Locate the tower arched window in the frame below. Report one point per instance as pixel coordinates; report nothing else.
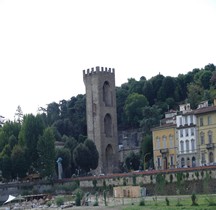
(108, 125)
(107, 94)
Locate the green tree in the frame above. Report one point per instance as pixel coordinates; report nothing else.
(146, 147)
(6, 167)
(134, 107)
(121, 96)
(18, 117)
(132, 161)
(9, 129)
(65, 154)
(77, 115)
(12, 141)
(150, 117)
(46, 152)
(94, 155)
(195, 94)
(53, 112)
(32, 128)
(167, 88)
(156, 84)
(19, 163)
(205, 79)
(81, 156)
(213, 79)
(136, 86)
(71, 143)
(148, 92)
(63, 106)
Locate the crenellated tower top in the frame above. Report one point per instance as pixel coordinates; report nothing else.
(98, 69)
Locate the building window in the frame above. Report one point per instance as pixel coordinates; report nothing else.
(191, 119)
(186, 120)
(209, 120)
(180, 121)
(209, 137)
(211, 157)
(164, 142)
(188, 162)
(171, 160)
(182, 146)
(186, 132)
(193, 162)
(192, 131)
(187, 146)
(201, 121)
(182, 162)
(181, 132)
(202, 138)
(158, 142)
(159, 162)
(203, 158)
(192, 145)
(171, 141)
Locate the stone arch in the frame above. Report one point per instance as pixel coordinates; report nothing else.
(107, 94)
(211, 157)
(108, 125)
(109, 158)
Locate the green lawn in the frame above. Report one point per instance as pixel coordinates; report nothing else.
(184, 203)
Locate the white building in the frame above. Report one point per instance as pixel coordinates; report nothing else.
(186, 137)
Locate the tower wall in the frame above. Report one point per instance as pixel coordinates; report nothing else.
(101, 115)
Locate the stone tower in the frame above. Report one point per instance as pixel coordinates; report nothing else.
(101, 116)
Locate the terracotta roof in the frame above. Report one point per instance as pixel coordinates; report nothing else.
(205, 110)
(168, 125)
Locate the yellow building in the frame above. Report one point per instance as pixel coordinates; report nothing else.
(206, 132)
(164, 142)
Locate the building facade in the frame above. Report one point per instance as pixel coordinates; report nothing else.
(206, 132)
(194, 133)
(186, 137)
(164, 143)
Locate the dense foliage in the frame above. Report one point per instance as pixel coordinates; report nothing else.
(140, 104)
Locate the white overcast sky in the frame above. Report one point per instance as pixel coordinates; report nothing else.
(46, 44)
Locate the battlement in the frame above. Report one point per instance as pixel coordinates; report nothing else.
(98, 69)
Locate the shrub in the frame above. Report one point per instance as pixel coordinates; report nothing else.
(179, 202)
(194, 200)
(59, 201)
(49, 203)
(96, 200)
(124, 181)
(171, 178)
(142, 202)
(94, 182)
(167, 201)
(78, 198)
(134, 180)
(211, 201)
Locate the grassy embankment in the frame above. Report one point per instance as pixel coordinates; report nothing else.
(204, 202)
